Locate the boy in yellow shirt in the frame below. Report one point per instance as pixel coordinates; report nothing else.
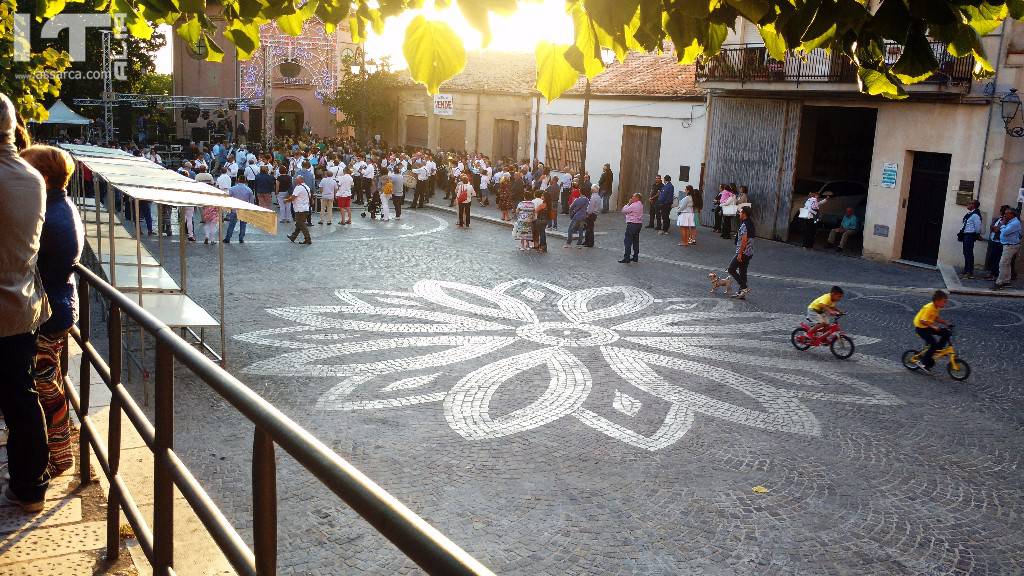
(932, 328)
(823, 309)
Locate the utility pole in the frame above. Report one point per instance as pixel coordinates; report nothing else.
(586, 126)
(362, 109)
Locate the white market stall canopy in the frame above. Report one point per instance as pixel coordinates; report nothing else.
(61, 114)
(143, 180)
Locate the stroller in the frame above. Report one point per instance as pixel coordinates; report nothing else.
(373, 206)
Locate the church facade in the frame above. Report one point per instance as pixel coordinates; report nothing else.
(303, 73)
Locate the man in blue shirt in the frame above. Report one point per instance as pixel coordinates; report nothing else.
(847, 228)
(666, 197)
(969, 235)
(242, 192)
(1009, 237)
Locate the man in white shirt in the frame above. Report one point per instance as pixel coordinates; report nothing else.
(344, 195)
(251, 170)
(422, 173)
(232, 168)
(328, 188)
(300, 206)
(224, 180)
(367, 173)
(357, 177)
(431, 178)
(485, 182)
(335, 166)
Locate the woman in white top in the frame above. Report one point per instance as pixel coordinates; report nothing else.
(809, 218)
(464, 198)
(685, 219)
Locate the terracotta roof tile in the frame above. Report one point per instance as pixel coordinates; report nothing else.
(642, 74)
(496, 72)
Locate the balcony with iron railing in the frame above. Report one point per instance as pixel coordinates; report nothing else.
(818, 69)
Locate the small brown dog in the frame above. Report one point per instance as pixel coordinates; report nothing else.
(719, 282)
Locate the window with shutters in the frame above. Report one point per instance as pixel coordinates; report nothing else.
(564, 148)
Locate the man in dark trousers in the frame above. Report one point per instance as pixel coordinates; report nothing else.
(605, 185)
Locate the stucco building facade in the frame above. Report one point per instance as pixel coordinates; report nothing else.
(782, 128)
(304, 71)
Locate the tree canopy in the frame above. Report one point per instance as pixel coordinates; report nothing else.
(858, 29)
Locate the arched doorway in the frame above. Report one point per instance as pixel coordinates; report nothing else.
(288, 118)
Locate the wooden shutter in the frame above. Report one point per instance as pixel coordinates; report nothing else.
(452, 135)
(641, 154)
(415, 130)
(506, 139)
(564, 148)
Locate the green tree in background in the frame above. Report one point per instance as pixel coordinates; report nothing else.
(367, 100)
(140, 55)
(153, 83)
(29, 84)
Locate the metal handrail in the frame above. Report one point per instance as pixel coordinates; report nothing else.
(752, 63)
(412, 535)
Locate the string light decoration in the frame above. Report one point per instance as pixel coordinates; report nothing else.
(315, 51)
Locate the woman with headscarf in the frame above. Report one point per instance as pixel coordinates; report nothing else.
(60, 247)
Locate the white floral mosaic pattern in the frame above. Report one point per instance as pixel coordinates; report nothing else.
(460, 345)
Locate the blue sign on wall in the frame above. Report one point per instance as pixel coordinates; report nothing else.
(889, 170)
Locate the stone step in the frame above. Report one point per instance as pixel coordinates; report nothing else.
(49, 542)
(78, 563)
(12, 519)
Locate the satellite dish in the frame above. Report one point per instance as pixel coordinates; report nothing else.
(290, 69)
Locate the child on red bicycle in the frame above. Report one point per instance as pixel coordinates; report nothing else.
(932, 328)
(822, 311)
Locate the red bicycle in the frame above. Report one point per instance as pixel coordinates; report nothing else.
(837, 341)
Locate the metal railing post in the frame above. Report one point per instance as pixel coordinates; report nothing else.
(163, 482)
(84, 321)
(114, 435)
(264, 503)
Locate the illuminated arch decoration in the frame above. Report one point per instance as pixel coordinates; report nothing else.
(315, 50)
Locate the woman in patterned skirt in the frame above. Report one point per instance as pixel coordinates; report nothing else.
(60, 247)
(522, 228)
(506, 194)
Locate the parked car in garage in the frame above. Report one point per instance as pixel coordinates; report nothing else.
(841, 194)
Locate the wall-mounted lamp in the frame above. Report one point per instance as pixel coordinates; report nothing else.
(1010, 111)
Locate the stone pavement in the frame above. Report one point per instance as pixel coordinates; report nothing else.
(566, 414)
(68, 538)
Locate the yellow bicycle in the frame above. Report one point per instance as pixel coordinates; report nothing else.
(957, 368)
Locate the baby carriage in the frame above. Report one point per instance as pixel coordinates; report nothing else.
(373, 206)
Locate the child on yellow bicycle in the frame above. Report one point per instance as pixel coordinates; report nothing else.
(932, 328)
(823, 310)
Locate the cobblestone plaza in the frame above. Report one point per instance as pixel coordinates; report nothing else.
(566, 414)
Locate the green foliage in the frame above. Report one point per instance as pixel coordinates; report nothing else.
(153, 83)
(371, 98)
(555, 74)
(696, 28)
(28, 84)
(433, 51)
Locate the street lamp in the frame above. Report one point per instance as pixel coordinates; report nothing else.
(607, 57)
(1009, 109)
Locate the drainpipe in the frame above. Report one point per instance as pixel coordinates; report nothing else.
(988, 125)
(536, 126)
(476, 135)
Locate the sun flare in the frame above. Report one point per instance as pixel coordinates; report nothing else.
(516, 32)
